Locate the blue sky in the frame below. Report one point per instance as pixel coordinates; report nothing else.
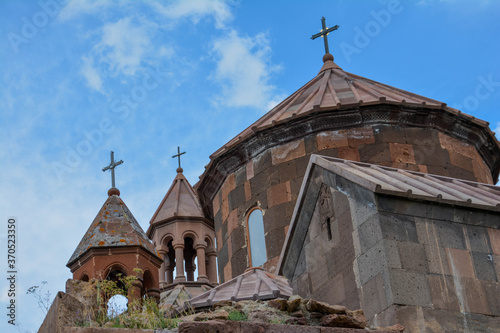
(81, 78)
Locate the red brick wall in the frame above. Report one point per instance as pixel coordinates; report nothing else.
(272, 179)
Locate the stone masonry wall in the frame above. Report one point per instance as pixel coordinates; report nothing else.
(272, 180)
(420, 264)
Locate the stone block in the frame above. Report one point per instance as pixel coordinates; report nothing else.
(302, 285)
(437, 259)
(249, 169)
(360, 136)
(248, 191)
(392, 133)
(412, 256)
(287, 171)
(426, 232)
(402, 153)
(288, 151)
(274, 242)
(451, 235)
(409, 288)
(228, 186)
(311, 144)
(228, 275)
(475, 296)
(232, 221)
(236, 197)
(371, 263)
(301, 164)
(239, 261)
(351, 287)
(352, 300)
(392, 253)
(443, 292)
(216, 203)
(492, 291)
(332, 139)
(224, 209)
(238, 238)
(370, 233)
(461, 161)
(460, 263)
(421, 136)
(374, 296)
(279, 194)
(240, 176)
(457, 172)
(494, 235)
(398, 227)
(262, 162)
(375, 153)
(276, 217)
(438, 170)
(484, 266)
(348, 153)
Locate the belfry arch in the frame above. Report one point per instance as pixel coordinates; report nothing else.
(183, 237)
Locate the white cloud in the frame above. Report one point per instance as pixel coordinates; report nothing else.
(91, 74)
(76, 8)
(197, 9)
(243, 69)
(497, 131)
(123, 45)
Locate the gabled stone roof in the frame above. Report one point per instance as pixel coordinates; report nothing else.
(114, 226)
(254, 284)
(412, 184)
(180, 201)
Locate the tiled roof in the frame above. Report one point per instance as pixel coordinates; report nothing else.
(413, 184)
(254, 284)
(332, 89)
(114, 226)
(180, 201)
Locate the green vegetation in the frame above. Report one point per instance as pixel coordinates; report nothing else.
(237, 316)
(144, 313)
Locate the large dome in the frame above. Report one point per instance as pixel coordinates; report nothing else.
(341, 115)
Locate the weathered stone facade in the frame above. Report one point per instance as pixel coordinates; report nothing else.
(418, 263)
(272, 179)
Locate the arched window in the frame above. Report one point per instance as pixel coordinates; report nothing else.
(256, 239)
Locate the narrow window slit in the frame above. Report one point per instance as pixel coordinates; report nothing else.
(329, 228)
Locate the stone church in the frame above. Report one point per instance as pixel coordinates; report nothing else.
(359, 193)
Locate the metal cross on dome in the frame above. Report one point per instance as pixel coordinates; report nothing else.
(111, 167)
(179, 155)
(324, 33)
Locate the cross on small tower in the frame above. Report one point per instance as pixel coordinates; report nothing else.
(111, 167)
(179, 155)
(324, 33)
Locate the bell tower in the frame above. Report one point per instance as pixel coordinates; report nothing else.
(181, 234)
(116, 244)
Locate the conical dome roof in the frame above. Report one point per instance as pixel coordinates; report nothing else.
(335, 89)
(180, 201)
(114, 226)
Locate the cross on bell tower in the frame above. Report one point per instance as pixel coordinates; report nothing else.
(178, 155)
(324, 33)
(112, 167)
